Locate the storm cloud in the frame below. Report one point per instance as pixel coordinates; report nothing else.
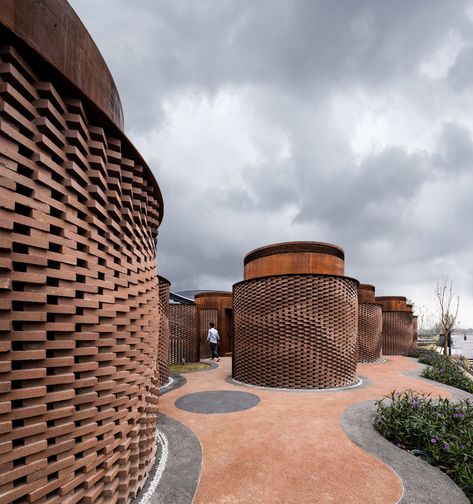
(278, 120)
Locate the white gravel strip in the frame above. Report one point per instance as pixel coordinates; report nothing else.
(358, 383)
(170, 382)
(162, 441)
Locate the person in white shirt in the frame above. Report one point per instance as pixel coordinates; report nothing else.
(212, 338)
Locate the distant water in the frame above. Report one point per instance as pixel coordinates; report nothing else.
(462, 347)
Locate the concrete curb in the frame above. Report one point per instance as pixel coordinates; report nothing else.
(362, 382)
(177, 382)
(180, 477)
(456, 393)
(423, 484)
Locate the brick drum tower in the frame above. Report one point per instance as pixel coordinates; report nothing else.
(295, 318)
(370, 323)
(397, 325)
(79, 324)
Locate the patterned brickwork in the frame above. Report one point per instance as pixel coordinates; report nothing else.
(370, 323)
(78, 298)
(163, 345)
(414, 335)
(295, 331)
(206, 316)
(182, 334)
(397, 332)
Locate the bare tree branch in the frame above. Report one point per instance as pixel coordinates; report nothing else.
(448, 303)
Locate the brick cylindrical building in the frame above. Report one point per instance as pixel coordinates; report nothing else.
(295, 318)
(414, 334)
(183, 342)
(216, 307)
(163, 344)
(370, 323)
(397, 325)
(79, 324)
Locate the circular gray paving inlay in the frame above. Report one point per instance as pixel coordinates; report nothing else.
(217, 401)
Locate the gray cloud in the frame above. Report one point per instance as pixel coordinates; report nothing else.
(278, 120)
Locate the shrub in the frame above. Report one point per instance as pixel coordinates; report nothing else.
(441, 430)
(429, 357)
(445, 370)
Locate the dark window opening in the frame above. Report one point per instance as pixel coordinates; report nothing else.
(23, 210)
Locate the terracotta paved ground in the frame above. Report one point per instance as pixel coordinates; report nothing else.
(290, 448)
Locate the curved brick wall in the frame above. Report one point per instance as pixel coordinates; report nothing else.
(370, 323)
(163, 345)
(414, 334)
(295, 331)
(397, 325)
(183, 342)
(79, 321)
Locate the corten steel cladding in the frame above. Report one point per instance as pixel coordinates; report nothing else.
(296, 330)
(163, 344)
(79, 323)
(183, 342)
(294, 257)
(370, 323)
(216, 307)
(397, 325)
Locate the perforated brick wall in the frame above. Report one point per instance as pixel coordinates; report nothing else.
(413, 346)
(163, 345)
(397, 332)
(182, 334)
(295, 331)
(78, 298)
(370, 324)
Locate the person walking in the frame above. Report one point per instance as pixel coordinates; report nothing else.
(212, 338)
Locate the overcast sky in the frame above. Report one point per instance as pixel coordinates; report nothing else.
(348, 122)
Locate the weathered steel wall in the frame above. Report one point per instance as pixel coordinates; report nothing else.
(204, 317)
(221, 316)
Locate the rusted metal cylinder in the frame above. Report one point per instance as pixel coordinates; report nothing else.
(163, 344)
(216, 307)
(294, 258)
(296, 327)
(397, 325)
(366, 293)
(370, 323)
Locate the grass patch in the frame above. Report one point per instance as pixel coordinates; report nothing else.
(188, 368)
(440, 431)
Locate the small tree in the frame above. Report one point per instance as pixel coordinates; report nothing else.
(448, 303)
(424, 319)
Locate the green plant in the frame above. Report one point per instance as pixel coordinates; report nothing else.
(447, 371)
(426, 356)
(440, 429)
